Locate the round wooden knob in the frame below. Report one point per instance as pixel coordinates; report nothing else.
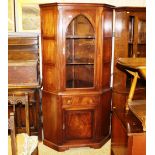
(90, 101)
(69, 101)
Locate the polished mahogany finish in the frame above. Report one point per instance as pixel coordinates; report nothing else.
(76, 50)
(14, 142)
(24, 79)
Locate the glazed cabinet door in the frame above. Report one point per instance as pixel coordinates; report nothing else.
(80, 46)
(80, 52)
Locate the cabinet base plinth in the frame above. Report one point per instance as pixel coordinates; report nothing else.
(66, 146)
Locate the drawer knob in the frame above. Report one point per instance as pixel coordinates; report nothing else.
(69, 101)
(90, 101)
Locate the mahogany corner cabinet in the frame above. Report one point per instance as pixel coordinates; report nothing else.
(76, 51)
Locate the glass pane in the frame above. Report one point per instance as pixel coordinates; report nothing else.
(131, 28)
(79, 76)
(80, 50)
(80, 26)
(80, 53)
(142, 31)
(30, 17)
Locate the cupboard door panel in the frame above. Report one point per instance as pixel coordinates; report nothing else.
(78, 124)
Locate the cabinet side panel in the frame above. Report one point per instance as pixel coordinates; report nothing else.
(49, 51)
(121, 47)
(50, 117)
(49, 78)
(50, 71)
(107, 24)
(106, 74)
(107, 46)
(102, 116)
(106, 109)
(48, 20)
(49, 48)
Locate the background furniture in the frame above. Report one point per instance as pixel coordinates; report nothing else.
(130, 41)
(128, 137)
(137, 68)
(11, 127)
(21, 98)
(76, 42)
(21, 143)
(24, 83)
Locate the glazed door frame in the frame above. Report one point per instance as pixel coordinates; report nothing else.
(67, 14)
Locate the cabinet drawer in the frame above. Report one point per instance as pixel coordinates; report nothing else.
(80, 100)
(22, 73)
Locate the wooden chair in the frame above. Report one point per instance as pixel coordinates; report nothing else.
(11, 127)
(15, 98)
(26, 136)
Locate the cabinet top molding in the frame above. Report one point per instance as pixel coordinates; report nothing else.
(131, 9)
(75, 4)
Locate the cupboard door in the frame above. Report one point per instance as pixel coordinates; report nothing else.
(78, 124)
(80, 53)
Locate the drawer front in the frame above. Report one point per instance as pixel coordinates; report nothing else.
(19, 41)
(80, 100)
(22, 74)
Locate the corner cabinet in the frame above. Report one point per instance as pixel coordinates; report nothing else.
(76, 51)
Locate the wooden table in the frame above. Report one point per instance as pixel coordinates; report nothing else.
(137, 68)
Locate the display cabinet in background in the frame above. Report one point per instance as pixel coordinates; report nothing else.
(130, 41)
(128, 135)
(76, 50)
